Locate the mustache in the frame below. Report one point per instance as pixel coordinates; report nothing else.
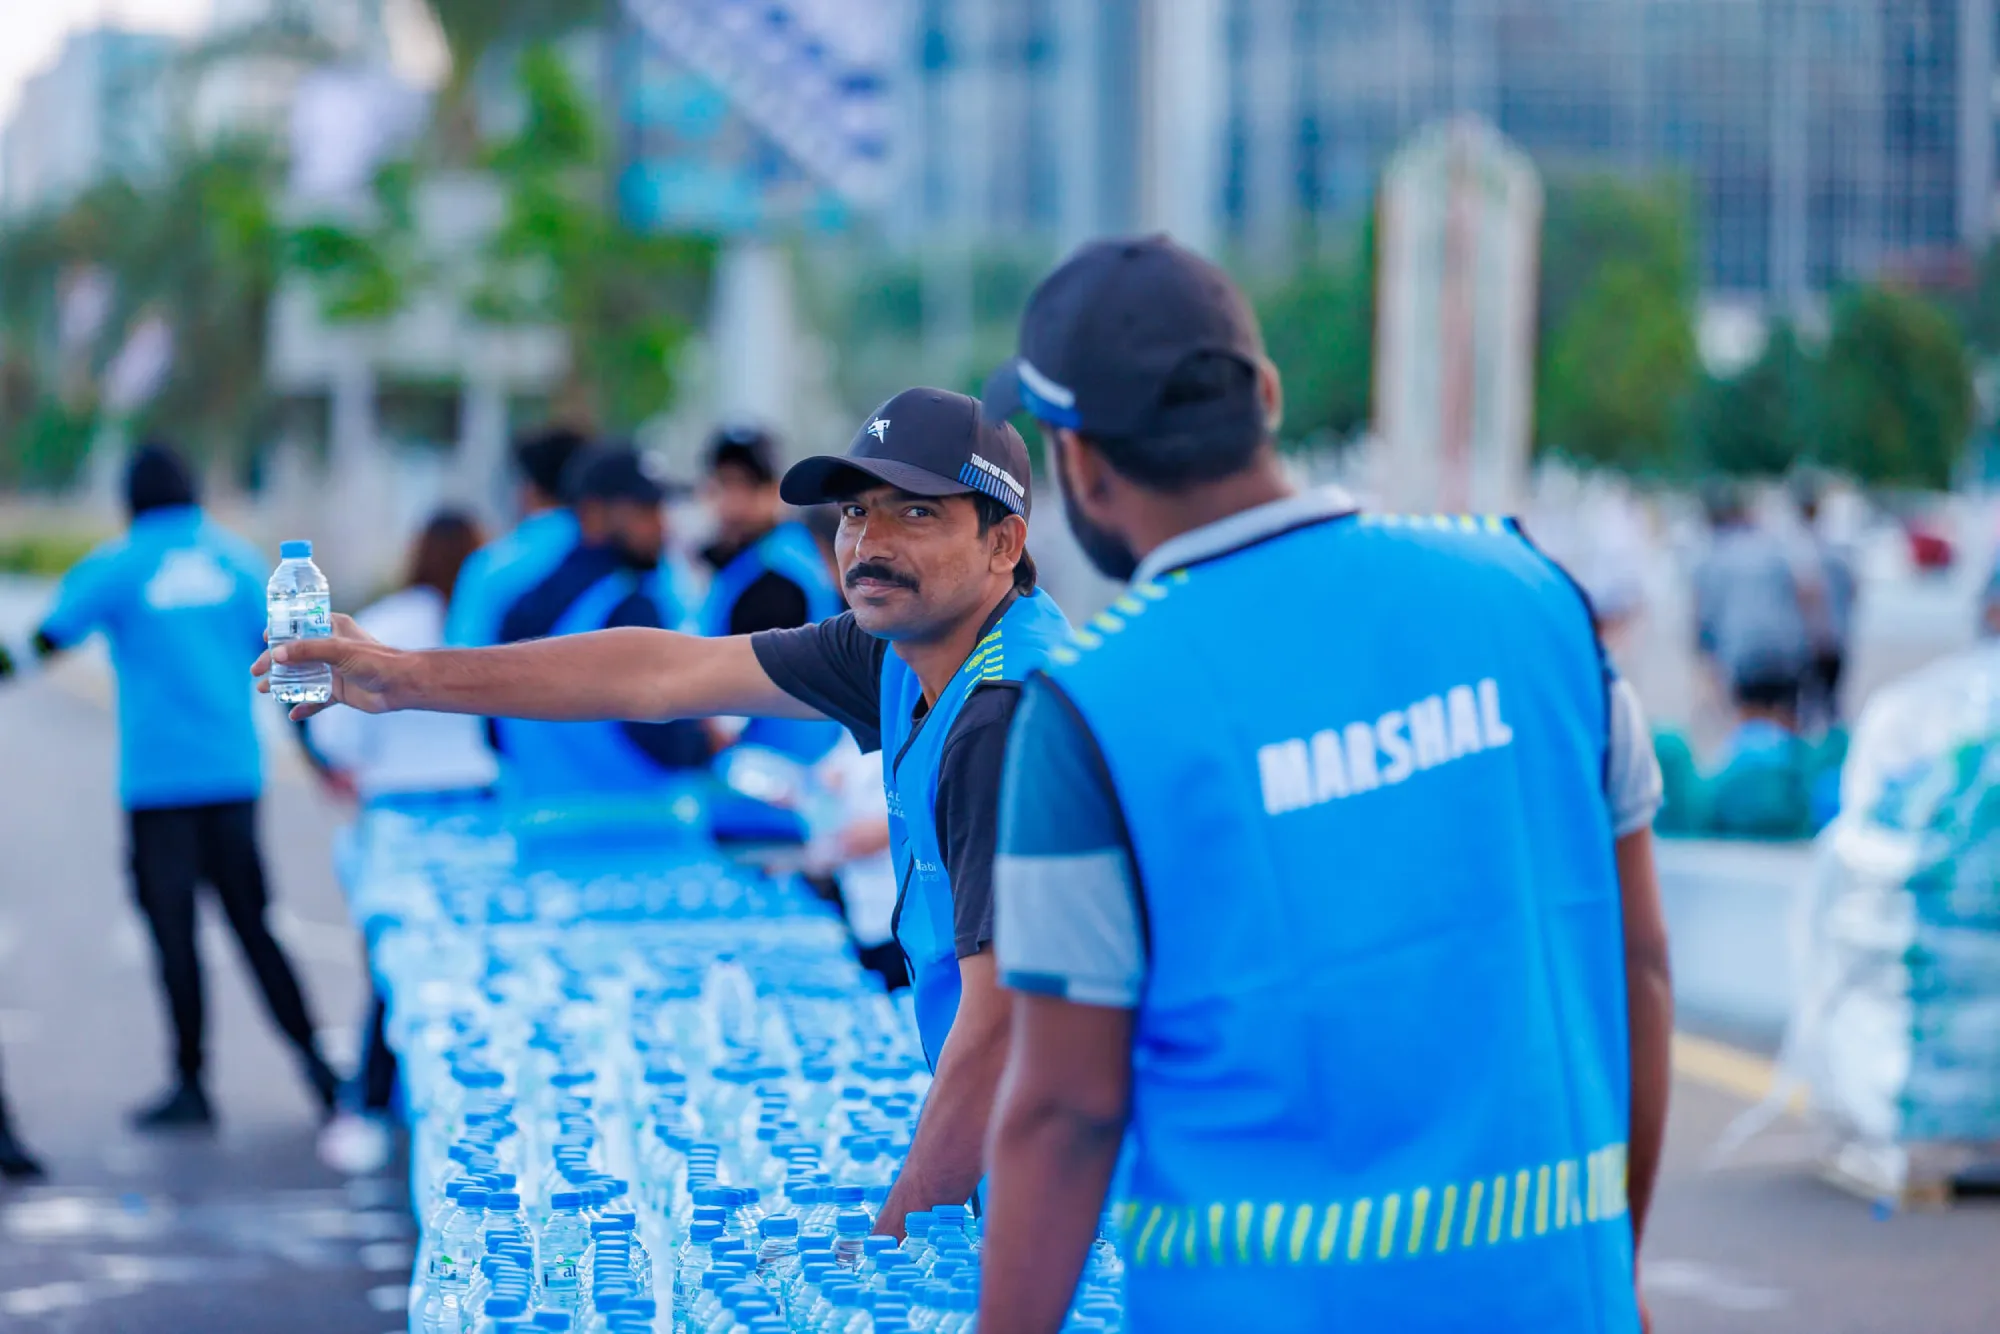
(881, 573)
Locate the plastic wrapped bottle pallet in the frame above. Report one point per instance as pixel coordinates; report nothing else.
(651, 1092)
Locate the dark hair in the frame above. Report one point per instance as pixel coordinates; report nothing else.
(440, 551)
(990, 512)
(157, 479)
(1210, 423)
(544, 455)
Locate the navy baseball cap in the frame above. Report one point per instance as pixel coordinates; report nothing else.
(1103, 334)
(929, 442)
(618, 472)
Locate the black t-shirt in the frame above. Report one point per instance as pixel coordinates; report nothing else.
(836, 667)
(771, 602)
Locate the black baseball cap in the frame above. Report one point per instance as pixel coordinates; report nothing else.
(1103, 334)
(617, 472)
(929, 442)
(750, 448)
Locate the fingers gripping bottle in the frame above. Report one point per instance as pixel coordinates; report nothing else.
(299, 606)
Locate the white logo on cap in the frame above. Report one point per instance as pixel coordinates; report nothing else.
(878, 427)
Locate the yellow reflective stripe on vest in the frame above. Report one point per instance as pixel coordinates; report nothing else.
(1520, 1205)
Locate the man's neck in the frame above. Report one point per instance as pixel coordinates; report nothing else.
(936, 661)
(1167, 516)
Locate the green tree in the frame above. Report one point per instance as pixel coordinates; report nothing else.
(1319, 329)
(475, 30)
(1897, 389)
(1617, 352)
(628, 301)
(1762, 422)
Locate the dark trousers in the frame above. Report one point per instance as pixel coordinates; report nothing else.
(6, 1125)
(376, 1079)
(1820, 690)
(173, 852)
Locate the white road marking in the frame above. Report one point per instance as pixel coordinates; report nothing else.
(388, 1256)
(1710, 1286)
(395, 1298)
(46, 1298)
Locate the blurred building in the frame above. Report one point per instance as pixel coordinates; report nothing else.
(255, 53)
(1822, 139)
(99, 110)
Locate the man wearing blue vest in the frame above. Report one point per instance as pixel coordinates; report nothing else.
(499, 573)
(769, 574)
(1325, 882)
(945, 622)
(180, 600)
(611, 577)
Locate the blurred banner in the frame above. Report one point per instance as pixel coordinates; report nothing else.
(815, 77)
(1460, 240)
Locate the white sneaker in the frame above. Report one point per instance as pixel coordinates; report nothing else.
(355, 1146)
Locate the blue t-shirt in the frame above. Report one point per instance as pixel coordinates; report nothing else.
(182, 603)
(500, 573)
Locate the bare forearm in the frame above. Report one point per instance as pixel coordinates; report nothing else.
(1051, 1166)
(630, 674)
(947, 1156)
(1650, 1001)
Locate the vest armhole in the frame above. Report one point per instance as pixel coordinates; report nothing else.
(1605, 672)
(1102, 770)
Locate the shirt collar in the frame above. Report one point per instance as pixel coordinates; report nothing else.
(1244, 527)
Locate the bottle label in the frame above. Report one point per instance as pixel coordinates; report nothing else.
(299, 620)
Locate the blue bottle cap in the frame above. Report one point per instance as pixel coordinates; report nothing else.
(551, 1320)
(951, 1213)
(505, 1308)
(780, 1225)
(503, 1200)
(472, 1197)
(705, 1231)
(878, 1246)
(918, 1222)
(295, 550)
(566, 1199)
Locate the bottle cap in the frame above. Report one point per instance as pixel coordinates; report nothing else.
(781, 1225)
(295, 550)
(917, 1222)
(566, 1199)
(503, 1200)
(705, 1231)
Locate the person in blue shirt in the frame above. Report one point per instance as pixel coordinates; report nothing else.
(611, 578)
(768, 571)
(499, 573)
(946, 619)
(181, 600)
(1324, 884)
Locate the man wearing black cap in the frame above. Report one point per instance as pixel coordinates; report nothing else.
(498, 574)
(612, 577)
(180, 599)
(1363, 956)
(945, 620)
(768, 572)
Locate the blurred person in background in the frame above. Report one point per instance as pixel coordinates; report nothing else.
(1833, 629)
(1325, 884)
(179, 598)
(768, 572)
(1751, 604)
(852, 852)
(499, 574)
(611, 578)
(16, 1163)
(397, 761)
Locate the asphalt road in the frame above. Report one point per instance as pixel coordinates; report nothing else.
(246, 1233)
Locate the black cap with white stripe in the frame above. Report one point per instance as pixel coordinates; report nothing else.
(929, 442)
(1104, 333)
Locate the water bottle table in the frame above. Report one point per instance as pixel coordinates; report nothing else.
(648, 1092)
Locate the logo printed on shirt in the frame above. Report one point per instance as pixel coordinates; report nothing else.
(189, 578)
(1339, 762)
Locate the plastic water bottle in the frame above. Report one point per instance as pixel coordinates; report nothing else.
(564, 1241)
(850, 1238)
(778, 1260)
(692, 1262)
(300, 606)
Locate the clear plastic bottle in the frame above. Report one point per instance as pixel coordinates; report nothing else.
(693, 1261)
(917, 1235)
(299, 605)
(564, 1244)
(850, 1239)
(778, 1259)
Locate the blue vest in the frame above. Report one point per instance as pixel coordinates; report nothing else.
(787, 550)
(1380, 1067)
(913, 748)
(545, 760)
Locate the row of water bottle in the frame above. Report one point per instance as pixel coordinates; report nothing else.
(684, 1117)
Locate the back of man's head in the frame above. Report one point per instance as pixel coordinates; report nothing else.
(544, 456)
(157, 479)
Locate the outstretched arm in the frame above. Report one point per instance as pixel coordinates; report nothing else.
(632, 674)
